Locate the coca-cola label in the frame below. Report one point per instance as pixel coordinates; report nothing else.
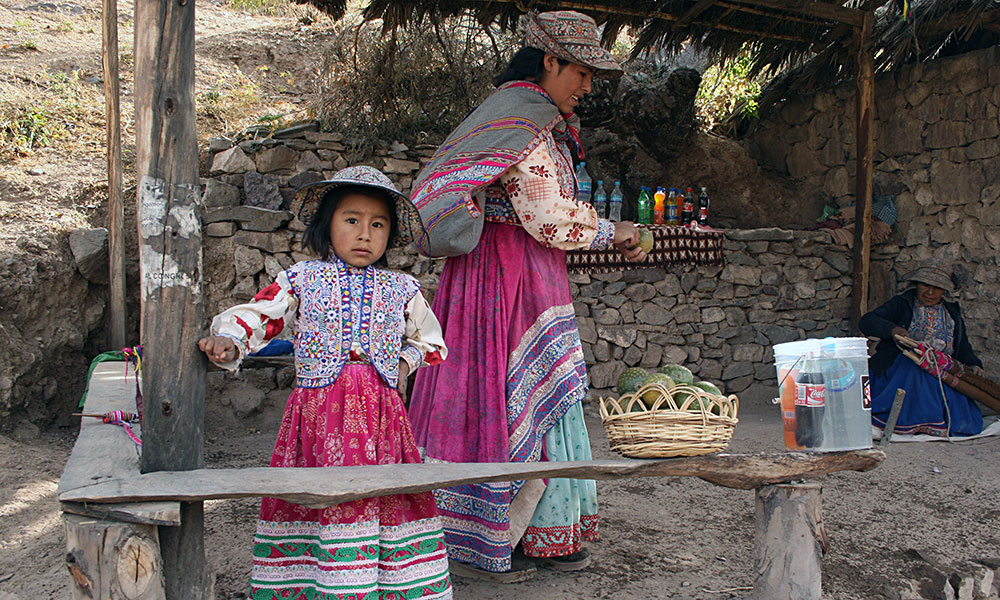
(810, 394)
(866, 393)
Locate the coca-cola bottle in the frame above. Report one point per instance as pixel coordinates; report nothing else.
(687, 213)
(703, 207)
(810, 405)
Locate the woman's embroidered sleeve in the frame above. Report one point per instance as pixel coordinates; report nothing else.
(547, 212)
(423, 340)
(252, 325)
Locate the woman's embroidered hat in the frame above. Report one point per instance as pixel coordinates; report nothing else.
(571, 36)
(308, 198)
(936, 272)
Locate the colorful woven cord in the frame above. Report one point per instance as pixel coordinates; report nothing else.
(134, 356)
(933, 361)
(120, 417)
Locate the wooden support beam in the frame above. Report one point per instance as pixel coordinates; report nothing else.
(865, 112)
(330, 485)
(694, 12)
(147, 513)
(828, 12)
(112, 560)
(116, 206)
(789, 543)
(170, 266)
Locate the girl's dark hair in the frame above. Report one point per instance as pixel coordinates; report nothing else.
(317, 235)
(528, 64)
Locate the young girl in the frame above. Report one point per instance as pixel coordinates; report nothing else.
(359, 331)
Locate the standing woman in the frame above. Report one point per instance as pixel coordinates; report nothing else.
(921, 313)
(512, 387)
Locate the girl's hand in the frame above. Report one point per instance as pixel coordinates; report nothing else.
(403, 382)
(627, 241)
(219, 349)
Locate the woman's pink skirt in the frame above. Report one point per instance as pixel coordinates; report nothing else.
(390, 546)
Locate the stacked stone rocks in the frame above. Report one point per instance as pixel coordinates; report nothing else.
(937, 152)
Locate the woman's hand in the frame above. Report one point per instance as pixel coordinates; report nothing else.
(402, 382)
(627, 241)
(978, 371)
(219, 349)
(900, 332)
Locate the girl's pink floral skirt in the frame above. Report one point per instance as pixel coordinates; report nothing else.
(374, 548)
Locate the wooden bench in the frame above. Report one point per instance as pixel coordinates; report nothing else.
(118, 555)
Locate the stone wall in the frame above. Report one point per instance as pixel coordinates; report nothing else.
(776, 285)
(937, 152)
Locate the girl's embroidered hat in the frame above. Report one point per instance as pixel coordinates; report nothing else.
(936, 272)
(309, 197)
(571, 36)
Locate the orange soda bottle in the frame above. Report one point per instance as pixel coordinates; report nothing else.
(787, 392)
(659, 210)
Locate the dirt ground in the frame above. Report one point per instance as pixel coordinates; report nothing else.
(661, 537)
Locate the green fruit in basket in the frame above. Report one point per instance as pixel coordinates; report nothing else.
(709, 387)
(681, 375)
(650, 397)
(631, 380)
(715, 391)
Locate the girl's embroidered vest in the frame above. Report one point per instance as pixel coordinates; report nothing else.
(324, 329)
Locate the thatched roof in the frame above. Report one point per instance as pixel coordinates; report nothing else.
(808, 41)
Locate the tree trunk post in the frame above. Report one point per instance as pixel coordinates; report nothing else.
(116, 211)
(170, 266)
(790, 542)
(113, 560)
(865, 107)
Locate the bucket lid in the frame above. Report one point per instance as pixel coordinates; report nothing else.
(846, 347)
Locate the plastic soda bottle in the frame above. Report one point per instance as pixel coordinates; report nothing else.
(658, 208)
(787, 393)
(703, 207)
(645, 207)
(810, 405)
(600, 200)
(687, 214)
(672, 213)
(615, 203)
(583, 183)
(680, 205)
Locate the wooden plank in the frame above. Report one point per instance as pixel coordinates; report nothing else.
(104, 451)
(147, 513)
(890, 424)
(117, 561)
(170, 266)
(865, 108)
(116, 206)
(330, 485)
(789, 543)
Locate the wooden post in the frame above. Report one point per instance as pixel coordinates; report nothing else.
(864, 104)
(116, 211)
(111, 560)
(789, 544)
(170, 265)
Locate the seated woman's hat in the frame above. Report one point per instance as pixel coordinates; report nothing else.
(309, 197)
(936, 272)
(571, 36)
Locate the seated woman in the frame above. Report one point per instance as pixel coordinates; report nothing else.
(921, 313)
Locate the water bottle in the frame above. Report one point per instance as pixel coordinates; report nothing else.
(644, 207)
(600, 200)
(659, 210)
(583, 184)
(615, 203)
(673, 215)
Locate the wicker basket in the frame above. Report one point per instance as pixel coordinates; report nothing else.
(700, 424)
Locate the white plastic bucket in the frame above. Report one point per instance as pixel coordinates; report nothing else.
(825, 394)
